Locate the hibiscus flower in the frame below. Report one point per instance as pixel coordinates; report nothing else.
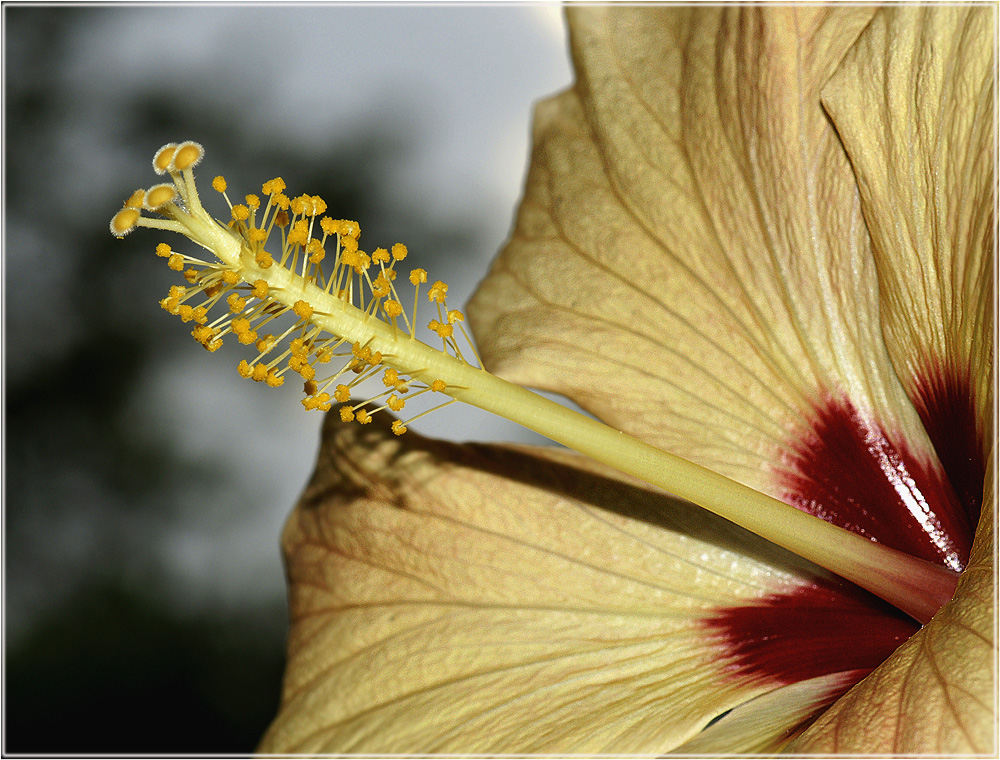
(759, 239)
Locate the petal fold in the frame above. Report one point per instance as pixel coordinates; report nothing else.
(913, 103)
(690, 262)
(769, 723)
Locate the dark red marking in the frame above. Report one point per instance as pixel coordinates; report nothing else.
(847, 471)
(829, 627)
(946, 407)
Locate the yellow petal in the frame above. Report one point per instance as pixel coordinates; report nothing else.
(913, 103)
(486, 599)
(936, 695)
(690, 262)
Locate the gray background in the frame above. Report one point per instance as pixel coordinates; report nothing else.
(145, 482)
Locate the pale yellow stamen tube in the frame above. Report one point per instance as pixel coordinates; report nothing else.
(915, 586)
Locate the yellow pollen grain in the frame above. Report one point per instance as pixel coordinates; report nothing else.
(443, 331)
(437, 292)
(299, 232)
(328, 225)
(273, 187)
(302, 309)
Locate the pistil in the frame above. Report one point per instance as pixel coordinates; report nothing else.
(349, 308)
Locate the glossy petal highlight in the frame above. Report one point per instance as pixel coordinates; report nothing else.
(691, 265)
(913, 103)
(936, 695)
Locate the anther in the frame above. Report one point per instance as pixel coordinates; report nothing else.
(302, 309)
